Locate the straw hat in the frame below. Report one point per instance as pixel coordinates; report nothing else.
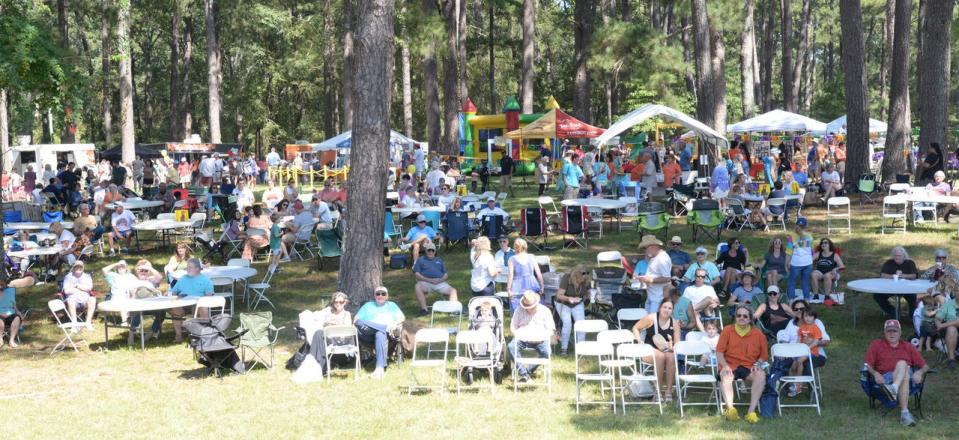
(530, 300)
(649, 240)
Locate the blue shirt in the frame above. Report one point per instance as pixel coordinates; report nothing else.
(416, 231)
(388, 313)
(188, 285)
(712, 271)
(801, 178)
(684, 159)
(601, 172)
(746, 296)
(641, 267)
(680, 258)
(272, 159)
(680, 309)
(572, 173)
(720, 179)
(430, 267)
(8, 301)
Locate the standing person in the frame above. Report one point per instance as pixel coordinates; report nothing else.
(506, 174)
(672, 172)
(542, 174)
(572, 174)
(896, 367)
(485, 269)
(740, 353)
(184, 172)
(649, 174)
(570, 303)
(207, 168)
(719, 183)
(374, 321)
(799, 259)
(138, 166)
(658, 273)
(600, 174)
(419, 160)
(524, 274)
(29, 180)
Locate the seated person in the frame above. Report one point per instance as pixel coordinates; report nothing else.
(773, 314)
(83, 240)
(313, 324)
(712, 271)
(192, 285)
(320, 210)
(681, 260)
(531, 320)
(661, 333)
(86, 221)
(947, 327)
(805, 328)
(65, 240)
(702, 296)
(417, 236)
(684, 314)
(244, 195)
(733, 258)
(78, 293)
(826, 266)
(491, 209)
(165, 195)
(831, 182)
(121, 223)
(898, 265)
(431, 276)
(744, 294)
(896, 366)
(446, 197)
(10, 317)
(272, 195)
(375, 321)
(176, 266)
(740, 353)
(941, 267)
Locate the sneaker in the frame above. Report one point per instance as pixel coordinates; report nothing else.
(285, 259)
(377, 374)
(404, 247)
(793, 391)
(891, 391)
(525, 378)
(752, 417)
(424, 312)
(732, 415)
(951, 364)
(906, 419)
(113, 253)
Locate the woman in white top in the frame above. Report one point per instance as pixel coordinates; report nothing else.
(542, 174)
(272, 195)
(484, 269)
(831, 182)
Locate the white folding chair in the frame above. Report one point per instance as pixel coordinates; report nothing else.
(609, 258)
(233, 247)
(259, 289)
(602, 351)
(775, 205)
(543, 260)
(466, 340)
(589, 326)
(532, 337)
(595, 220)
(547, 203)
(70, 328)
(429, 336)
(898, 188)
(894, 210)
(209, 303)
(837, 208)
(738, 213)
(501, 197)
(446, 310)
(639, 371)
(342, 340)
(629, 314)
(223, 287)
(794, 351)
(695, 349)
(692, 337)
(301, 246)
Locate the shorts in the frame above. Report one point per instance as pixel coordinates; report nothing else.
(276, 251)
(489, 290)
(8, 320)
(741, 373)
(78, 299)
(818, 361)
(444, 287)
(720, 194)
(122, 234)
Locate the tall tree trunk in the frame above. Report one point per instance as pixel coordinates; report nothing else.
(431, 95)
(934, 83)
(529, 52)
(809, 75)
(176, 121)
(67, 134)
(800, 58)
(361, 267)
(789, 101)
(329, 79)
(857, 92)
(583, 14)
(407, 89)
(492, 57)
(348, 61)
(126, 83)
(688, 76)
(461, 33)
(888, 31)
(106, 43)
(451, 102)
(214, 69)
(769, 45)
(186, 79)
(4, 133)
(718, 71)
(705, 91)
(899, 130)
(747, 59)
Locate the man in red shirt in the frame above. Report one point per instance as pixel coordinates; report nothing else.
(739, 353)
(890, 362)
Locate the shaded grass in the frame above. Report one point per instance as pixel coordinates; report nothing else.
(122, 391)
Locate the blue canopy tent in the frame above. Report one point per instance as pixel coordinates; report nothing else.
(344, 141)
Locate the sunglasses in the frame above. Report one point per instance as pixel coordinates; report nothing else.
(739, 315)
(344, 302)
(431, 250)
(381, 294)
(799, 309)
(675, 244)
(940, 258)
(773, 293)
(701, 276)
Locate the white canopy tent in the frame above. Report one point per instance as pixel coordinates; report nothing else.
(648, 111)
(838, 126)
(344, 141)
(777, 121)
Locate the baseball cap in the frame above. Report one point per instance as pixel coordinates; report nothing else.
(298, 205)
(773, 289)
(491, 199)
(941, 253)
(676, 239)
(429, 245)
(420, 218)
(801, 221)
(892, 324)
(701, 250)
(381, 289)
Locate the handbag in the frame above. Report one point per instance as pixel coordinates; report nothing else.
(144, 292)
(641, 389)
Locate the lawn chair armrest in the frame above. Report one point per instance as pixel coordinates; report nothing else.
(276, 333)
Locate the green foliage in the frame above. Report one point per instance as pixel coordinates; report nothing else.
(31, 62)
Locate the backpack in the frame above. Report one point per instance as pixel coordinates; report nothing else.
(398, 261)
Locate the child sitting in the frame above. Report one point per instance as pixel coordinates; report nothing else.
(927, 327)
(711, 339)
(485, 321)
(811, 335)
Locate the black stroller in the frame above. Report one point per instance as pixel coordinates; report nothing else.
(211, 346)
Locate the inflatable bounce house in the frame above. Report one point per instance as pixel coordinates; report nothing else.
(476, 130)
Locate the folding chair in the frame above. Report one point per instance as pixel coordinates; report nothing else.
(493, 226)
(390, 228)
(302, 246)
(894, 210)
(639, 371)
(257, 334)
(532, 337)
(590, 326)
(464, 360)
(602, 351)
(609, 258)
(877, 397)
(433, 218)
(223, 287)
(775, 212)
(69, 329)
(706, 217)
(685, 381)
(793, 351)
(446, 310)
(898, 188)
(457, 229)
(534, 224)
(429, 336)
(608, 282)
(629, 316)
(233, 247)
(867, 187)
(341, 340)
(574, 224)
(209, 303)
(547, 204)
(653, 223)
(259, 289)
(328, 245)
(738, 214)
(837, 208)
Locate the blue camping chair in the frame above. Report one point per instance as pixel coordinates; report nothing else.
(11, 217)
(433, 217)
(877, 397)
(390, 228)
(493, 227)
(457, 229)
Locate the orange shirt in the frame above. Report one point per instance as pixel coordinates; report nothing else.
(670, 171)
(637, 172)
(809, 332)
(742, 351)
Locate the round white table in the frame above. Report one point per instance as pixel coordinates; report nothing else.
(160, 226)
(136, 204)
(888, 286)
(414, 210)
(139, 306)
(36, 252)
(233, 272)
(34, 226)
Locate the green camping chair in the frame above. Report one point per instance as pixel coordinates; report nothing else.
(260, 335)
(653, 222)
(867, 188)
(706, 220)
(329, 245)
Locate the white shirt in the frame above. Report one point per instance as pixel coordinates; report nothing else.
(434, 178)
(479, 275)
(207, 167)
(500, 260)
(486, 211)
(122, 222)
(68, 237)
(273, 158)
(792, 334)
(271, 197)
(832, 177)
(244, 197)
(322, 212)
(660, 266)
(695, 293)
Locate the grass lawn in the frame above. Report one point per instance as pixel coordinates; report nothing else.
(122, 392)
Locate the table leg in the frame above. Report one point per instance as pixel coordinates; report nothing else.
(142, 335)
(106, 332)
(898, 304)
(854, 301)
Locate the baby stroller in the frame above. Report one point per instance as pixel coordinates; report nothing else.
(495, 352)
(209, 342)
